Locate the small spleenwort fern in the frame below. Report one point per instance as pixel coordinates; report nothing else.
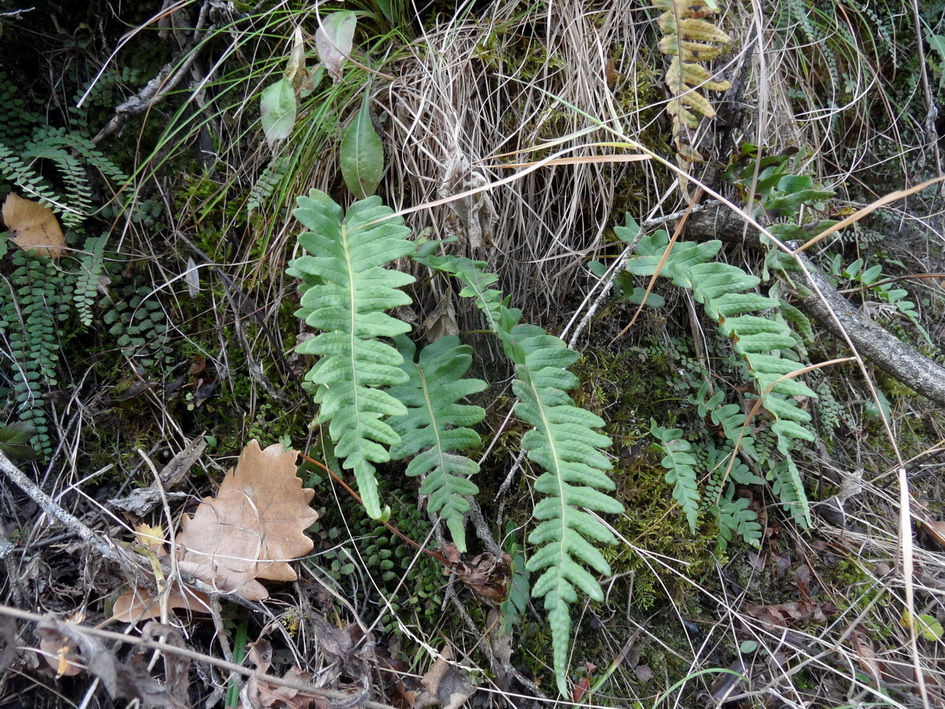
(764, 342)
(681, 472)
(91, 269)
(346, 291)
(563, 442)
(33, 300)
(436, 426)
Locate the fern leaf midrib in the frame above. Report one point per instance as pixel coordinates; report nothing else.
(558, 473)
(352, 332)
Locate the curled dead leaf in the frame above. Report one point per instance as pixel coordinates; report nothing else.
(484, 574)
(33, 226)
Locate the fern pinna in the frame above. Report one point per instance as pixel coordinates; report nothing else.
(765, 342)
(564, 442)
(346, 291)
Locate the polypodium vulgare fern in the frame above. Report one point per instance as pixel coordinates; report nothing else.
(436, 426)
(564, 442)
(689, 39)
(346, 291)
(764, 341)
(379, 404)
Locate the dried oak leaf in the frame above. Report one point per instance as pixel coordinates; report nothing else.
(254, 526)
(33, 226)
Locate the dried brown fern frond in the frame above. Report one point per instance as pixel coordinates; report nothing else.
(689, 39)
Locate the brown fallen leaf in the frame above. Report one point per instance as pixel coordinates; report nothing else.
(251, 530)
(59, 653)
(136, 605)
(33, 226)
(443, 684)
(796, 615)
(258, 693)
(254, 526)
(121, 680)
(7, 642)
(487, 576)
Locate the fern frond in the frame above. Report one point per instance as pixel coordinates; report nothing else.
(476, 284)
(91, 265)
(681, 473)
(85, 148)
(764, 342)
(689, 39)
(76, 200)
(734, 517)
(13, 169)
(564, 442)
(348, 253)
(436, 426)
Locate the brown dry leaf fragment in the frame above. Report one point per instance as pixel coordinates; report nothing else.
(121, 681)
(136, 604)
(176, 667)
(254, 526)
(260, 693)
(33, 226)
(62, 655)
(443, 684)
(487, 576)
(797, 614)
(729, 683)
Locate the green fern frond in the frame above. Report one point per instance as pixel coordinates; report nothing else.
(29, 318)
(734, 517)
(564, 442)
(681, 473)
(436, 426)
(83, 147)
(765, 342)
(91, 265)
(13, 169)
(348, 253)
(476, 284)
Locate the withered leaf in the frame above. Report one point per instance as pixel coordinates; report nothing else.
(127, 681)
(487, 576)
(7, 642)
(260, 693)
(136, 604)
(797, 614)
(33, 226)
(444, 684)
(254, 526)
(251, 530)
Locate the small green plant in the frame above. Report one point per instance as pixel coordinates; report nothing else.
(883, 290)
(756, 434)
